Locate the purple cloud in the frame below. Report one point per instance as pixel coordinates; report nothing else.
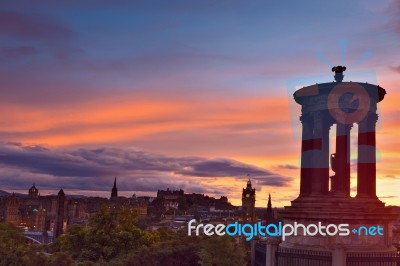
(15, 53)
(92, 169)
(288, 167)
(33, 26)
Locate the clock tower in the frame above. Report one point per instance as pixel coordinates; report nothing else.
(248, 203)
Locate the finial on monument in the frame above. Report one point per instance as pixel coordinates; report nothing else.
(339, 72)
(338, 69)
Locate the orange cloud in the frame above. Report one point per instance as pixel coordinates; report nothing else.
(255, 131)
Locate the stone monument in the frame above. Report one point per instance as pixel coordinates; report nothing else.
(325, 198)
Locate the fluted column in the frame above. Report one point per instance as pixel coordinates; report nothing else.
(306, 155)
(325, 156)
(314, 175)
(366, 163)
(342, 159)
(320, 156)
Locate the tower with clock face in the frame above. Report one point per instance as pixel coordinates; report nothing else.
(248, 202)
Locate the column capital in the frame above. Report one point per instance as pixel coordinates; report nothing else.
(349, 126)
(343, 129)
(371, 118)
(368, 123)
(369, 115)
(305, 118)
(328, 123)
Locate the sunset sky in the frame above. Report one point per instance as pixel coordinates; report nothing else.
(182, 94)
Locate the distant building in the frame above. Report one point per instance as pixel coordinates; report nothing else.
(171, 194)
(54, 213)
(59, 227)
(176, 202)
(33, 192)
(169, 199)
(248, 203)
(134, 203)
(139, 205)
(12, 210)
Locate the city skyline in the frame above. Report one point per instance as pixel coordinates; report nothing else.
(113, 192)
(181, 96)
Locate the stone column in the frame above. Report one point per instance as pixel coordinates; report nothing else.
(272, 248)
(339, 256)
(320, 156)
(325, 156)
(343, 159)
(366, 162)
(306, 155)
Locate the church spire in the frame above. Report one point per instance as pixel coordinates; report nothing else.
(114, 191)
(270, 214)
(269, 206)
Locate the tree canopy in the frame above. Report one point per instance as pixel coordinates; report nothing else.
(113, 237)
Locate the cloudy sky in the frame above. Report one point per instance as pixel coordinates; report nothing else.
(182, 94)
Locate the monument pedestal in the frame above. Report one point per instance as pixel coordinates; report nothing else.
(356, 212)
